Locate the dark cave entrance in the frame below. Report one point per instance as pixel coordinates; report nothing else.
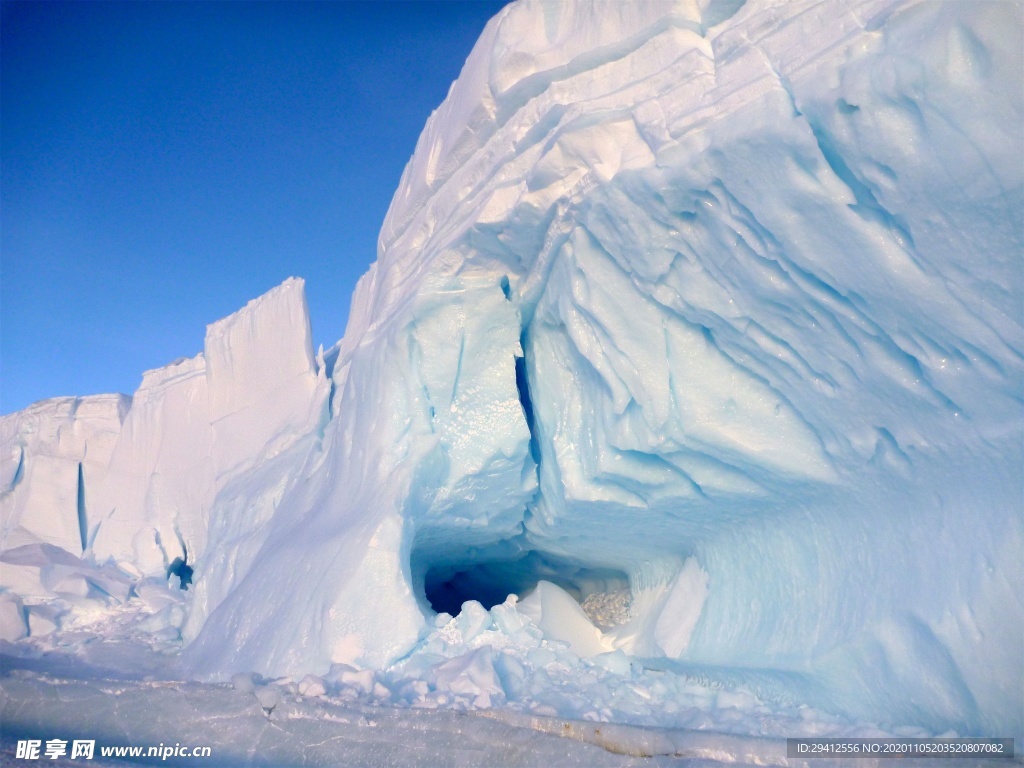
(490, 581)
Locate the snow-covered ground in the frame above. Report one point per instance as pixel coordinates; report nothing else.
(107, 677)
(680, 413)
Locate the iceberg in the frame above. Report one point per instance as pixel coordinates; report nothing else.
(693, 344)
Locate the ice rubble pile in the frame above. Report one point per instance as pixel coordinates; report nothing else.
(695, 325)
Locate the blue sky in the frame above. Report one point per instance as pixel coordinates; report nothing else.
(163, 163)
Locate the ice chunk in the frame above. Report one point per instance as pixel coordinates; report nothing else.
(560, 617)
(42, 571)
(312, 686)
(682, 609)
(13, 618)
(269, 696)
(43, 619)
(361, 681)
(157, 594)
(472, 676)
(472, 620)
(243, 682)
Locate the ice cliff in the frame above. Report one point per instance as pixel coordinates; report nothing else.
(133, 480)
(705, 317)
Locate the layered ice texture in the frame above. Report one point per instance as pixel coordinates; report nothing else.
(697, 326)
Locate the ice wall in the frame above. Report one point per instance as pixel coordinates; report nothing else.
(53, 455)
(132, 481)
(197, 424)
(262, 379)
(159, 485)
(761, 263)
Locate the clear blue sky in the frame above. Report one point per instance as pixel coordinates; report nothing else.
(163, 163)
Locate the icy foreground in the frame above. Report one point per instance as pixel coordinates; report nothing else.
(696, 327)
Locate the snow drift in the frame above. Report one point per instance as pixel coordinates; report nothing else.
(697, 326)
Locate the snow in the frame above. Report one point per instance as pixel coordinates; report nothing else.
(685, 393)
(296, 731)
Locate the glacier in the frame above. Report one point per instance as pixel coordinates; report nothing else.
(691, 363)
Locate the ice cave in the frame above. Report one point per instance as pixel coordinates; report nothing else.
(686, 390)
